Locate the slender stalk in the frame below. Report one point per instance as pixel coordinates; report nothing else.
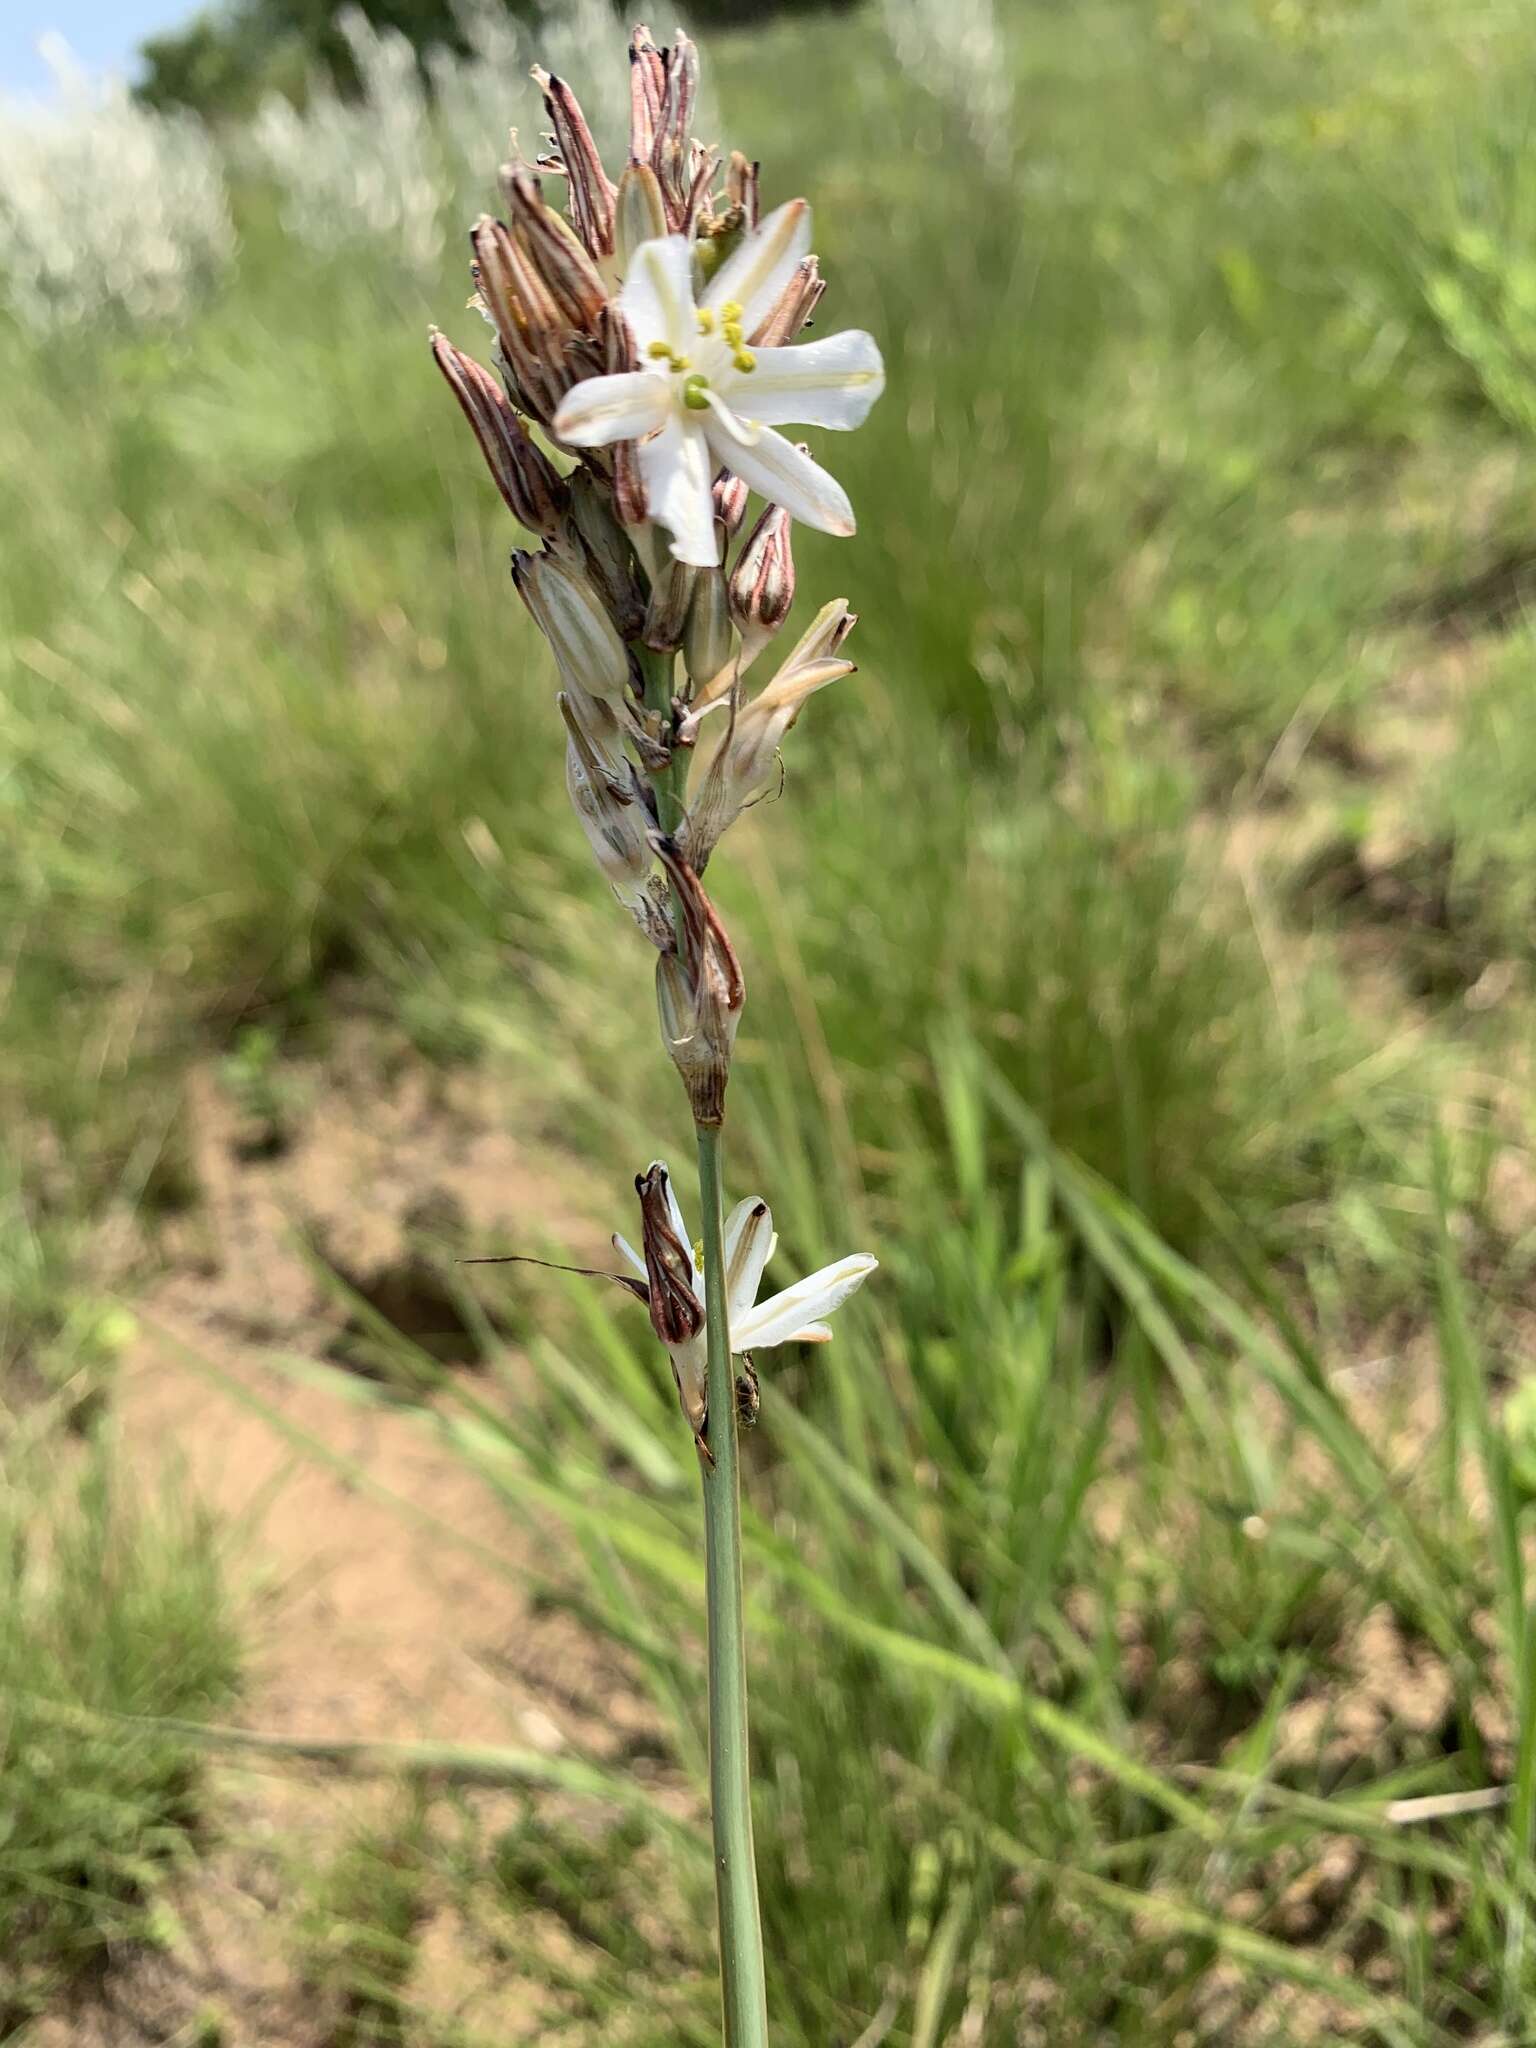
(730, 1786)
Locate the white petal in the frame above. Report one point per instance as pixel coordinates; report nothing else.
(777, 470)
(657, 296)
(748, 1247)
(781, 1316)
(677, 469)
(830, 383)
(675, 1211)
(764, 263)
(604, 409)
(626, 1250)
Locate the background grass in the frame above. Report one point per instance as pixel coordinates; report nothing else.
(1133, 930)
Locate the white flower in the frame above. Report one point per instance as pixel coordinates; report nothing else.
(796, 1315)
(704, 400)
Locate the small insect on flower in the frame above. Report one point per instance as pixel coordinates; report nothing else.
(674, 1280)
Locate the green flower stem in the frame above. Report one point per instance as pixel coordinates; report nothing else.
(730, 1783)
(670, 783)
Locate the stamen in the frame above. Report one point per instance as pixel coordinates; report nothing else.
(664, 352)
(732, 311)
(745, 361)
(696, 394)
(734, 338)
(706, 319)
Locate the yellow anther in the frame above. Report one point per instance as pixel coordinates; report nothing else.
(664, 352)
(706, 319)
(733, 334)
(731, 311)
(744, 360)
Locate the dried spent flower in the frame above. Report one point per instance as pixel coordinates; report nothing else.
(744, 757)
(572, 618)
(611, 806)
(699, 991)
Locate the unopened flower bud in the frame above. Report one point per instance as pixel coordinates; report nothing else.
(639, 215)
(590, 189)
(533, 488)
(667, 614)
(610, 556)
(564, 267)
(574, 621)
(529, 325)
(707, 638)
(730, 495)
(793, 307)
(647, 90)
(741, 188)
(763, 581)
(673, 157)
(699, 991)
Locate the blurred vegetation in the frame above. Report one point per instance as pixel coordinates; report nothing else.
(1140, 963)
(227, 58)
(109, 1615)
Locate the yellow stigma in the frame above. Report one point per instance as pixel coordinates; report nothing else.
(744, 360)
(694, 393)
(706, 320)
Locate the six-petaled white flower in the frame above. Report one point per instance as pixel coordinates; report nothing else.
(796, 1315)
(704, 399)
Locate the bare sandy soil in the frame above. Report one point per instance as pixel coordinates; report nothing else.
(361, 1623)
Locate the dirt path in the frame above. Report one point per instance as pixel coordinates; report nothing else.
(361, 1622)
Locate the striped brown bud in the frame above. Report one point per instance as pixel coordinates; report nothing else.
(731, 496)
(533, 488)
(590, 189)
(762, 587)
(673, 154)
(793, 307)
(529, 325)
(564, 267)
(741, 188)
(647, 90)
